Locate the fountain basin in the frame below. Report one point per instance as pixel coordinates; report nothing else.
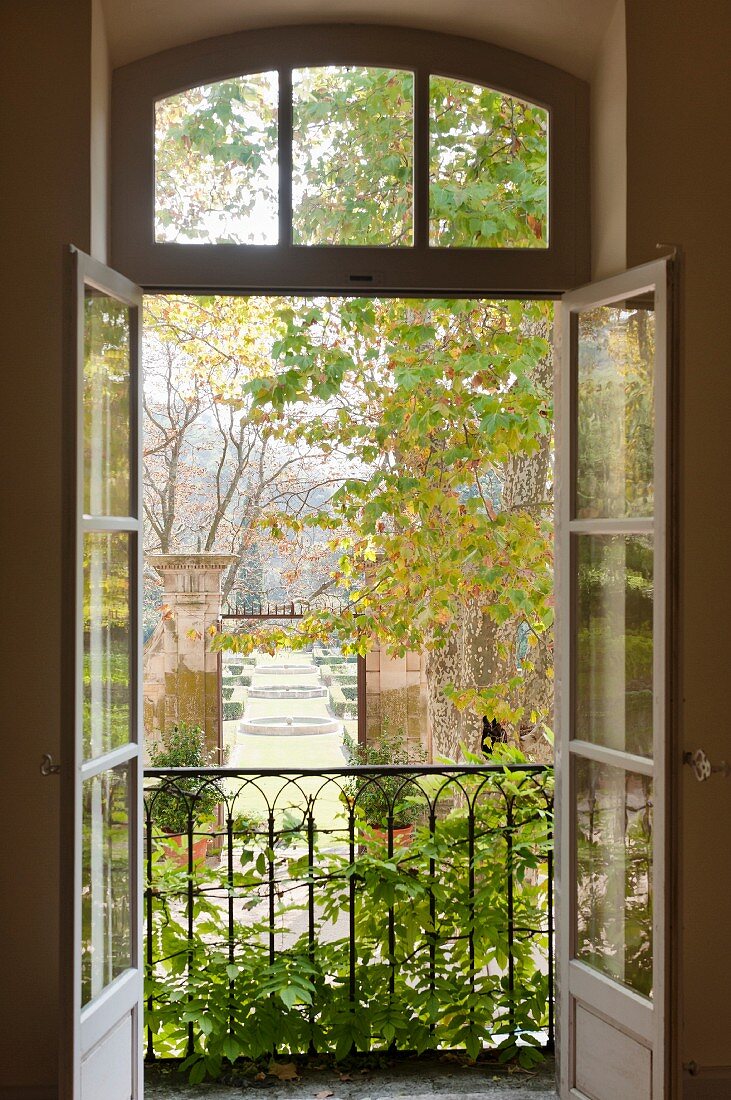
(295, 726)
(285, 670)
(287, 692)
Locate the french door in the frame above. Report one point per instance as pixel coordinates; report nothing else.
(612, 713)
(101, 764)
(612, 789)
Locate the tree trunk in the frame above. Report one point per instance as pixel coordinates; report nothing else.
(474, 658)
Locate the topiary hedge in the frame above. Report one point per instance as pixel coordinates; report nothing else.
(232, 711)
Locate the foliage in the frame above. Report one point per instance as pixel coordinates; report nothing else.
(385, 797)
(431, 402)
(171, 806)
(488, 168)
(233, 709)
(431, 953)
(352, 161)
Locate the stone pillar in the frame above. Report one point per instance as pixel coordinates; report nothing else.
(181, 669)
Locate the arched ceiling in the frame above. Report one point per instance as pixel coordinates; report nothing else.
(566, 33)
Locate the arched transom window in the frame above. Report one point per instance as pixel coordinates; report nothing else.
(328, 158)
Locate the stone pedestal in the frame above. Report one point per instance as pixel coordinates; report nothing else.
(180, 668)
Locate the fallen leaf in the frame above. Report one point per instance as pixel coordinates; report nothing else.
(345, 1077)
(324, 1094)
(285, 1071)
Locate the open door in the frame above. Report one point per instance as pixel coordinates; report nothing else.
(613, 714)
(101, 1050)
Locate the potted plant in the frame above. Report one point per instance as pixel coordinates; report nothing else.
(388, 798)
(180, 801)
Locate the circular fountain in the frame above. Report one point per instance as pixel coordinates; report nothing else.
(294, 726)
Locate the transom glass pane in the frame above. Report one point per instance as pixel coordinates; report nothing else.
(614, 811)
(352, 156)
(614, 642)
(106, 696)
(616, 422)
(488, 168)
(106, 405)
(216, 163)
(105, 881)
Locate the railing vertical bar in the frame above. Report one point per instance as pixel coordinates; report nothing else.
(191, 924)
(432, 915)
(311, 908)
(231, 924)
(471, 901)
(509, 825)
(272, 889)
(391, 922)
(351, 914)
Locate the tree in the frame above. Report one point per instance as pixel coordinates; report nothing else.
(444, 537)
(211, 470)
(436, 416)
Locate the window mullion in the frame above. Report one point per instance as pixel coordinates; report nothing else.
(285, 157)
(421, 158)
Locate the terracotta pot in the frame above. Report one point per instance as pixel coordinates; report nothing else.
(176, 848)
(402, 837)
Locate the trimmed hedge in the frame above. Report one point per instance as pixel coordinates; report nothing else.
(232, 711)
(350, 691)
(227, 692)
(236, 681)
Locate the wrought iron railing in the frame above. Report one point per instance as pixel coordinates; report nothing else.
(405, 907)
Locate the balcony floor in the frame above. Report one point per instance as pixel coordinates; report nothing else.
(417, 1079)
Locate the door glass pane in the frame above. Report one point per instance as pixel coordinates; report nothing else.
(614, 642)
(216, 163)
(106, 405)
(616, 423)
(105, 881)
(488, 168)
(614, 897)
(106, 723)
(352, 156)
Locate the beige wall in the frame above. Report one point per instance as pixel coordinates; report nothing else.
(44, 137)
(101, 85)
(609, 151)
(678, 171)
(679, 167)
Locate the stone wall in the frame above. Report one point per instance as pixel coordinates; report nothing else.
(180, 670)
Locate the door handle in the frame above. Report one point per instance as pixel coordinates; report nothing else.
(702, 767)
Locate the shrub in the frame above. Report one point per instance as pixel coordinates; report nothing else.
(388, 794)
(227, 692)
(233, 710)
(179, 798)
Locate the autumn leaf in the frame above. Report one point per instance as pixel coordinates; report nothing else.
(284, 1071)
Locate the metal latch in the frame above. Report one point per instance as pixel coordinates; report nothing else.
(702, 767)
(47, 765)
